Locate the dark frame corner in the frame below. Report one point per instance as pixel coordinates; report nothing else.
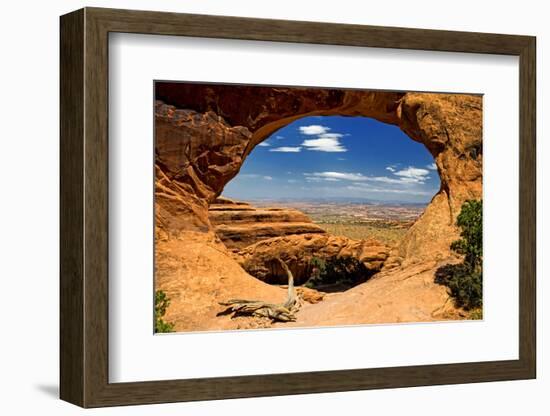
(84, 207)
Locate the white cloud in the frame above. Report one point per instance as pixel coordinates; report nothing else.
(354, 177)
(413, 175)
(365, 188)
(390, 168)
(325, 141)
(314, 129)
(279, 137)
(384, 179)
(286, 149)
(264, 144)
(408, 176)
(313, 179)
(336, 175)
(331, 135)
(254, 176)
(432, 166)
(324, 144)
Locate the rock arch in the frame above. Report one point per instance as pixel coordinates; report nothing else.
(204, 134)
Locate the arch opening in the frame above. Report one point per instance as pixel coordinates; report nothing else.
(350, 183)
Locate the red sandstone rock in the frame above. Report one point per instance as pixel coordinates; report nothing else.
(297, 251)
(239, 224)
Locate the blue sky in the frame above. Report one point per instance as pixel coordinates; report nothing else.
(337, 157)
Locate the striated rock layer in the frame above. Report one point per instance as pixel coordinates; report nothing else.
(240, 224)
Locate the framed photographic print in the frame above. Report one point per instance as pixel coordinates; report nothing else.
(255, 207)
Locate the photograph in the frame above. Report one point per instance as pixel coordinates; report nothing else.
(283, 207)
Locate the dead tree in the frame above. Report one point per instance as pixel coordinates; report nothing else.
(284, 312)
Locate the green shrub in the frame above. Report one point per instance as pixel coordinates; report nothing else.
(471, 224)
(336, 270)
(465, 280)
(464, 284)
(161, 303)
(318, 269)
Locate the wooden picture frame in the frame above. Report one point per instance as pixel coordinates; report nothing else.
(84, 207)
